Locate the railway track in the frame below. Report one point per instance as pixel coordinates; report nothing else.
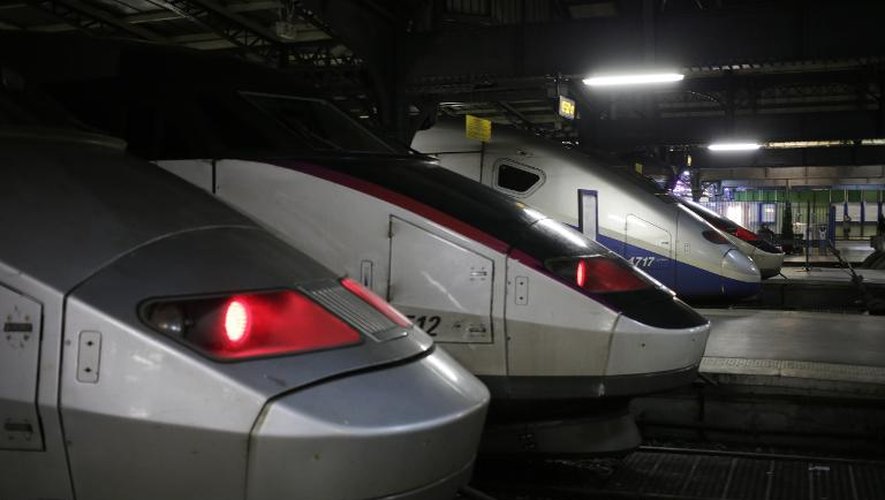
(686, 473)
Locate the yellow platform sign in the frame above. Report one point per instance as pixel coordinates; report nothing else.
(478, 129)
(566, 108)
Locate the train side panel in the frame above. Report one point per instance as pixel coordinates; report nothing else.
(295, 206)
(553, 330)
(196, 435)
(43, 473)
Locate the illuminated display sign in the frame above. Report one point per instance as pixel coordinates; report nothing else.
(566, 108)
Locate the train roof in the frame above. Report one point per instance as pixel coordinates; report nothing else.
(72, 200)
(448, 136)
(69, 206)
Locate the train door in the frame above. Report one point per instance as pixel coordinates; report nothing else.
(650, 248)
(19, 356)
(588, 213)
(445, 288)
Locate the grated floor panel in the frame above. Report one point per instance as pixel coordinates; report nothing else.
(694, 476)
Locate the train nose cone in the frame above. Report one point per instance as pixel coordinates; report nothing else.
(405, 432)
(740, 276)
(770, 264)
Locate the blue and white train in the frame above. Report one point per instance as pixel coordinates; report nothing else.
(626, 212)
(767, 257)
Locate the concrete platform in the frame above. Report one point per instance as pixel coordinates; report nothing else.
(828, 275)
(792, 349)
(853, 251)
(822, 289)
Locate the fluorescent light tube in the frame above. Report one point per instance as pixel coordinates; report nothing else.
(638, 79)
(734, 146)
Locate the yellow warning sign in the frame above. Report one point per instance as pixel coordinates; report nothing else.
(566, 108)
(637, 167)
(478, 129)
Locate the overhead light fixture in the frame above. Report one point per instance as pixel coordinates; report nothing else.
(734, 146)
(636, 79)
(807, 144)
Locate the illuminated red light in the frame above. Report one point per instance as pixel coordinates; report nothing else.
(236, 321)
(377, 302)
(581, 273)
(746, 234)
(601, 274)
(251, 325)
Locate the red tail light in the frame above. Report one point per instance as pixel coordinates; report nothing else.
(375, 301)
(599, 274)
(581, 274)
(250, 325)
(731, 228)
(236, 321)
(715, 237)
(746, 234)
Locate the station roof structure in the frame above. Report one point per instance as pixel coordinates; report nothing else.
(804, 78)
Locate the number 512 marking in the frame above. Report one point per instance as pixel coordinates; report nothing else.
(427, 323)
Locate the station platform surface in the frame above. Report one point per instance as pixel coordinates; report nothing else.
(821, 288)
(793, 349)
(828, 274)
(853, 251)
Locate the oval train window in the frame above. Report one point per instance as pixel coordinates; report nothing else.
(517, 178)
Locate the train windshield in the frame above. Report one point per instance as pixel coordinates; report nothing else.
(730, 227)
(319, 124)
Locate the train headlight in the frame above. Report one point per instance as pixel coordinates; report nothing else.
(599, 274)
(746, 235)
(715, 237)
(249, 325)
(236, 321)
(168, 318)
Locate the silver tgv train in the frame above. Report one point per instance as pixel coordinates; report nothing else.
(625, 212)
(768, 258)
(536, 309)
(159, 345)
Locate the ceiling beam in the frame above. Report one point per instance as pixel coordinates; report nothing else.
(628, 133)
(232, 27)
(90, 19)
(750, 33)
(159, 15)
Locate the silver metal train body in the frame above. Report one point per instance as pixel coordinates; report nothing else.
(768, 258)
(616, 208)
(158, 344)
(535, 308)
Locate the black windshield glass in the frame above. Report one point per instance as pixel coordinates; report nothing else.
(319, 124)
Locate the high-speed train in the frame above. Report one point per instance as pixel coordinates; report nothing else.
(159, 345)
(627, 213)
(535, 308)
(768, 258)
